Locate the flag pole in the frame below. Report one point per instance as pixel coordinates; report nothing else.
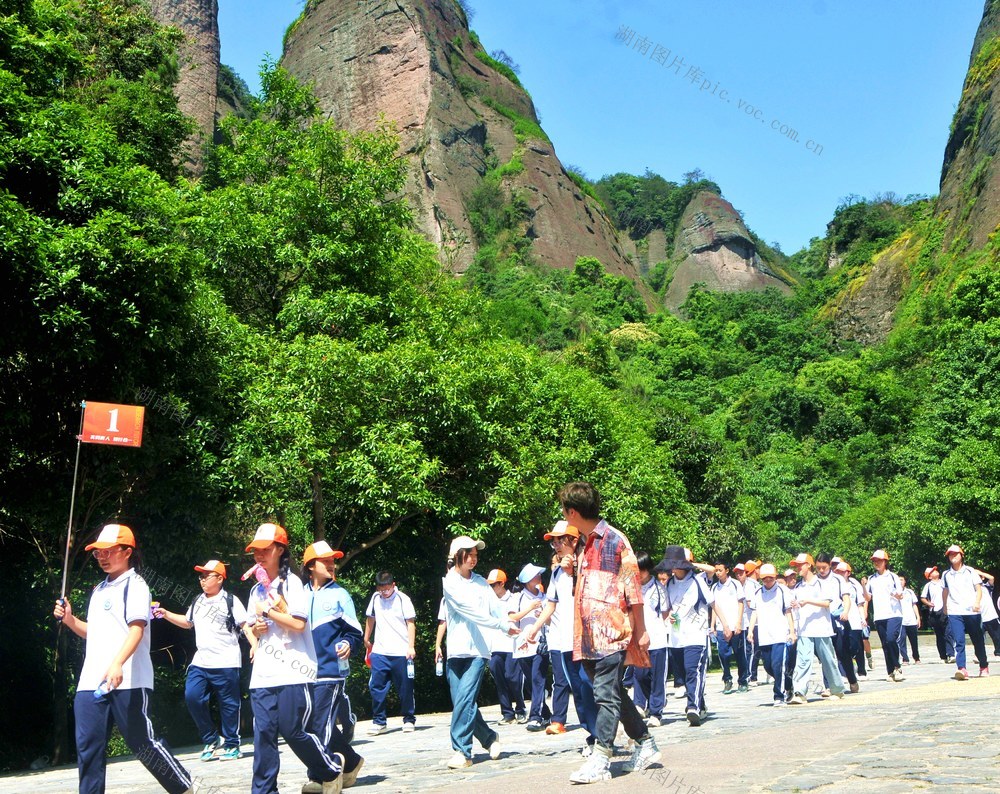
(72, 505)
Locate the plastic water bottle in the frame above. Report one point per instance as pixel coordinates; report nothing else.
(343, 664)
(101, 690)
(439, 668)
(409, 668)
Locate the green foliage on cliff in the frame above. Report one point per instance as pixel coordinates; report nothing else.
(639, 204)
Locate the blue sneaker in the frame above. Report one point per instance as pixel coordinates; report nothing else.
(231, 754)
(208, 754)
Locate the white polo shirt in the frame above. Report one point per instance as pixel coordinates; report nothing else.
(283, 657)
(989, 610)
(934, 592)
(858, 612)
(521, 602)
(882, 587)
(813, 621)
(218, 647)
(909, 599)
(560, 628)
(688, 603)
(108, 616)
(771, 608)
(750, 588)
(499, 641)
(654, 606)
(728, 597)
(392, 636)
(961, 586)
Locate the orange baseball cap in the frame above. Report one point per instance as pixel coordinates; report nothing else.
(266, 535)
(953, 549)
(803, 559)
(880, 554)
(929, 571)
(562, 529)
(113, 535)
(496, 575)
(212, 566)
(751, 565)
(320, 550)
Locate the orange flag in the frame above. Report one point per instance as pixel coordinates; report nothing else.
(108, 423)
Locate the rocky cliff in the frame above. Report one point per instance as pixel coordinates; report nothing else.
(970, 176)
(462, 117)
(714, 247)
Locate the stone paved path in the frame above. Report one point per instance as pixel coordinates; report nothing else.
(891, 737)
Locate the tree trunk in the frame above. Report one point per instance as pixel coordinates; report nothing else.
(319, 520)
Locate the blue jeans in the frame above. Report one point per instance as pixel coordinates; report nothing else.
(734, 646)
(465, 676)
(774, 659)
(648, 691)
(823, 648)
(386, 670)
(507, 677)
(888, 633)
(958, 625)
(612, 704)
(569, 676)
(198, 688)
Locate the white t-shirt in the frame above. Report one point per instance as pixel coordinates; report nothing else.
(560, 628)
(934, 592)
(961, 587)
(833, 588)
(750, 588)
(218, 647)
(392, 636)
(772, 608)
(654, 605)
(108, 617)
(989, 608)
(688, 602)
(856, 616)
(813, 621)
(728, 596)
(283, 657)
(521, 602)
(881, 587)
(909, 599)
(499, 641)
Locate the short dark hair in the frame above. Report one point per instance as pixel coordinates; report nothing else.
(723, 563)
(582, 497)
(383, 578)
(643, 561)
(824, 557)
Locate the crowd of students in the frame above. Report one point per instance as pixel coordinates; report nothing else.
(604, 620)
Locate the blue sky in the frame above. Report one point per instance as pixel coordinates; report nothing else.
(874, 84)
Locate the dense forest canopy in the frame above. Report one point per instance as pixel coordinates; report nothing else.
(302, 357)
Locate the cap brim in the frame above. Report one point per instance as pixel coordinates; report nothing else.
(103, 545)
(260, 544)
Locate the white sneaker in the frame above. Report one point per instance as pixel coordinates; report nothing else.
(680, 693)
(645, 754)
(587, 750)
(375, 730)
(653, 722)
(409, 727)
(595, 769)
(458, 761)
(495, 749)
(312, 787)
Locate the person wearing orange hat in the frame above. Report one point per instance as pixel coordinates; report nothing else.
(284, 667)
(963, 595)
(815, 631)
(886, 596)
(751, 584)
(117, 674)
(932, 597)
(217, 618)
(557, 619)
(507, 675)
(336, 635)
(772, 617)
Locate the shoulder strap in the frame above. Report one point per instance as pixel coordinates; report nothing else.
(125, 600)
